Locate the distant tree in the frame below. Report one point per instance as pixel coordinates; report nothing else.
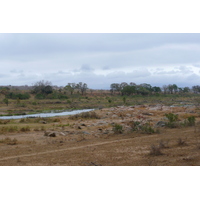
(175, 88)
(132, 84)
(128, 90)
(4, 90)
(186, 89)
(70, 87)
(42, 87)
(196, 88)
(165, 89)
(170, 88)
(48, 89)
(82, 87)
(114, 87)
(156, 89)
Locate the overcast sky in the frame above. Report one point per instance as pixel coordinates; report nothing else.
(100, 59)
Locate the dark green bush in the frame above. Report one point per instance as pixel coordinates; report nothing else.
(20, 96)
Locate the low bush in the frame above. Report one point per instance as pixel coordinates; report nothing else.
(172, 119)
(24, 129)
(190, 121)
(20, 96)
(181, 142)
(117, 128)
(142, 127)
(155, 150)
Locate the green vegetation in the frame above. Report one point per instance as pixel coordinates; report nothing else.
(117, 129)
(172, 119)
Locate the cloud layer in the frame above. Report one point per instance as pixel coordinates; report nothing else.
(100, 59)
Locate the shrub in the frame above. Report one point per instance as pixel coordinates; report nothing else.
(172, 118)
(147, 128)
(117, 128)
(24, 129)
(143, 128)
(155, 150)
(181, 142)
(191, 121)
(20, 96)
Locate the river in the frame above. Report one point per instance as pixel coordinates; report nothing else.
(52, 114)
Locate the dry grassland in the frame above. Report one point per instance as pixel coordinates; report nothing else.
(117, 136)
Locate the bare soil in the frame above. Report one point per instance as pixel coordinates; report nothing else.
(94, 142)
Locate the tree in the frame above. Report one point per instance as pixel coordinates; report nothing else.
(186, 89)
(165, 89)
(128, 90)
(196, 89)
(175, 88)
(82, 87)
(156, 89)
(42, 87)
(70, 87)
(114, 87)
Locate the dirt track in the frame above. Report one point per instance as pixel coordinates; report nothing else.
(95, 144)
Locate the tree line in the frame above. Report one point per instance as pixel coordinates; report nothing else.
(146, 89)
(45, 90)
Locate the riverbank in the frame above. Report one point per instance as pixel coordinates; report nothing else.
(122, 135)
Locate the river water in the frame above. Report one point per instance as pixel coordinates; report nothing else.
(52, 114)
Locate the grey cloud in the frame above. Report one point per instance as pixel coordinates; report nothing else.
(86, 68)
(105, 68)
(75, 57)
(196, 65)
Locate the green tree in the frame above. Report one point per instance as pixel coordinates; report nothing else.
(82, 87)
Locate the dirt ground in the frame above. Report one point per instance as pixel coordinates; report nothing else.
(93, 142)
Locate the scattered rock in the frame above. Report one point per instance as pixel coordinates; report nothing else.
(115, 116)
(128, 115)
(61, 133)
(161, 124)
(50, 134)
(102, 122)
(43, 122)
(85, 132)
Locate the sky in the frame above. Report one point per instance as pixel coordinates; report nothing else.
(100, 59)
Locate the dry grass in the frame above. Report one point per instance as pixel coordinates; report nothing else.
(9, 141)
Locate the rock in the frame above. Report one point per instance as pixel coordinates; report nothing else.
(85, 132)
(61, 133)
(115, 116)
(102, 122)
(43, 122)
(128, 115)
(83, 125)
(161, 124)
(50, 134)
